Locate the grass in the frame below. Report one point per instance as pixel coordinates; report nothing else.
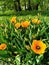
(24, 16)
(12, 12)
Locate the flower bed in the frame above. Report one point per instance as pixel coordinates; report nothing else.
(25, 42)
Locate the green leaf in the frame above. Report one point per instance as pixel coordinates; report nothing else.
(39, 58)
(42, 30)
(17, 60)
(4, 54)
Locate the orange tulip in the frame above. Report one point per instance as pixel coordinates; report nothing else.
(17, 25)
(3, 46)
(25, 24)
(38, 46)
(13, 20)
(34, 20)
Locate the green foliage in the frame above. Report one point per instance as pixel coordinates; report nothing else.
(11, 4)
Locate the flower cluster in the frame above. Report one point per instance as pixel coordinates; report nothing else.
(37, 45)
(36, 21)
(24, 24)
